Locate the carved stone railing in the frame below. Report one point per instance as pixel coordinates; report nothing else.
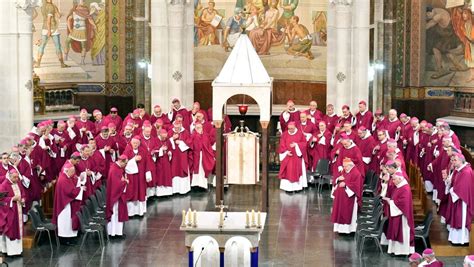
(463, 102)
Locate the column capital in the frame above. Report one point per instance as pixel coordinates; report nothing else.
(341, 2)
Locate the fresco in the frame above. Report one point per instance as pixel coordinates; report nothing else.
(69, 41)
(449, 59)
(289, 36)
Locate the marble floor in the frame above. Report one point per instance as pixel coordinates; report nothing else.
(297, 233)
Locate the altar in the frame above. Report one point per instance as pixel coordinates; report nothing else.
(223, 238)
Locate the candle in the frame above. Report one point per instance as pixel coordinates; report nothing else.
(258, 219)
(253, 217)
(194, 218)
(247, 219)
(183, 222)
(189, 216)
(221, 220)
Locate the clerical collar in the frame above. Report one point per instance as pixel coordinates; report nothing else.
(83, 120)
(435, 131)
(462, 166)
(345, 117)
(331, 115)
(304, 123)
(367, 134)
(390, 120)
(83, 158)
(296, 130)
(451, 133)
(349, 132)
(348, 171)
(383, 118)
(104, 137)
(127, 135)
(154, 114)
(312, 111)
(135, 151)
(351, 146)
(293, 111)
(5, 166)
(363, 112)
(402, 183)
(384, 140)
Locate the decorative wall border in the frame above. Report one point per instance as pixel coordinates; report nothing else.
(119, 89)
(424, 93)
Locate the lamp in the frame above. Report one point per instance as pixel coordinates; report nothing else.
(243, 109)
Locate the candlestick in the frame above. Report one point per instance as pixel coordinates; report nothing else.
(221, 219)
(189, 217)
(259, 224)
(183, 222)
(247, 219)
(253, 218)
(194, 219)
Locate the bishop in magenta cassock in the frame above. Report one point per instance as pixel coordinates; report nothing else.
(399, 233)
(315, 114)
(347, 195)
(293, 159)
(138, 173)
(178, 109)
(67, 201)
(330, 118)
(203, 155)
(319, 145)
(150, 143)
(366, 144)
(164, 185)
(180, 167)
(11, 221)
(116, 211)
(290, 114)
(461, 200)
(364, 117)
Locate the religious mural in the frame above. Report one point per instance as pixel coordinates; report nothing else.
(289, 35)
(69, 40)
(449, 43)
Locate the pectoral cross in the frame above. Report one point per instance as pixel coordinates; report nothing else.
(221, 207)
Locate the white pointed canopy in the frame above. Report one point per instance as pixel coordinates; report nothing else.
(243, 73)
(243, 66)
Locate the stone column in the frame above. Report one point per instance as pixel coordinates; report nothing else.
(159, 53)
(265, 134)
(331, 55)
(188, 90)
(172, 26)
(389, 53)
(16, 96)
(378, 54)
(360, 52)
(343, 46)
(219, 162)
(176, 53)
(140, 71)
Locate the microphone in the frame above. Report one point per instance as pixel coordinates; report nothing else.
(202, 250)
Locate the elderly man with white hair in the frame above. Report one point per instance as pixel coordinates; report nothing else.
(67, 201)
(460, 188)
(399, 234)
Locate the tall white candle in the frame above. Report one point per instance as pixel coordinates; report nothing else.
(194, 218)
(189, 216)
(253, 217)
(183, 221)
(247, 219)
(258, 219)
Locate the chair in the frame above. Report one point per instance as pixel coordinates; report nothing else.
(95, 204)
(368, 177)
(374, 235)
(39, 227)
(43, 218)
(90, 218)
(322, 168)
(87, 228)
(423, 232)
(100, 199)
